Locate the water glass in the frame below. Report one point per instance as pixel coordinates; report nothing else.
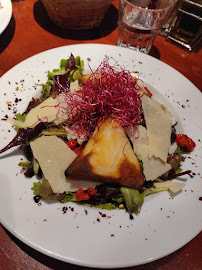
(170, 18)
(140, 21)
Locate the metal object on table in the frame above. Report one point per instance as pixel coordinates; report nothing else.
(187, 30)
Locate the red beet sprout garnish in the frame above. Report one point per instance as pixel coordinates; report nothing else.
(180, 174)
(175, 124)
(107, 93)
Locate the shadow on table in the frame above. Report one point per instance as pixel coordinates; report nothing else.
(154, 52)
(108, 24)
(59, 265)
(7, 35)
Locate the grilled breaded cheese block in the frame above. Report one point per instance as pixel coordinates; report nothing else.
(108, 158)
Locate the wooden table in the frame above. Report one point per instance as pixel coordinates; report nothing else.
(31, 32)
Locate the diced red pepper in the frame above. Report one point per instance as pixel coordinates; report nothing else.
(185, 142)
(72, 144)
(84, 195)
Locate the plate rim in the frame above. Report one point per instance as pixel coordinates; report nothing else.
(104, 45)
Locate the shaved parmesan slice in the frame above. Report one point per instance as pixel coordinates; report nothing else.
(140, 142)
(46, 111)
(172, 186)
(49, 110)
(140, 135)
(159, 125)
(152, 167)
(54, 156)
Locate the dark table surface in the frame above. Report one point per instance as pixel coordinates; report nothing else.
(30, 32)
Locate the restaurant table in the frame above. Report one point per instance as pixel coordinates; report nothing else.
(30, 32)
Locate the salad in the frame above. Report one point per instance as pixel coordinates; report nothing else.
(83, 129)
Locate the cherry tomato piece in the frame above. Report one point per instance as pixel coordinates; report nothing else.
(82, 195)
(72, 144)
(185, 142)
(78, 150)
(91, 191)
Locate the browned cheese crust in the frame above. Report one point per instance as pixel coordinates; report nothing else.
(108, 158)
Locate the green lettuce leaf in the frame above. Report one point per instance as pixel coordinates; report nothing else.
(178, 170)
(134, 199)
(20, 117)
(178, 150)
(74, 75)
(108, 206)
(36, 188)
(70, 197)
(46, 90)
(60, 71)
(118, 200)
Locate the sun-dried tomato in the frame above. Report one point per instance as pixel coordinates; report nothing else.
(84, 195)
(185, 142)
(92, 191)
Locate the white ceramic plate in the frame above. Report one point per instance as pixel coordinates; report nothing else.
(5, 14)
(86, 238)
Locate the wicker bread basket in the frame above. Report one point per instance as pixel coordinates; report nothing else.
(77, 14)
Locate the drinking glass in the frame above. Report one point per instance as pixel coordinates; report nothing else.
(140, 21)
(170, 18)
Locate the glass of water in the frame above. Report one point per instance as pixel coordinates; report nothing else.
(140, 21)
